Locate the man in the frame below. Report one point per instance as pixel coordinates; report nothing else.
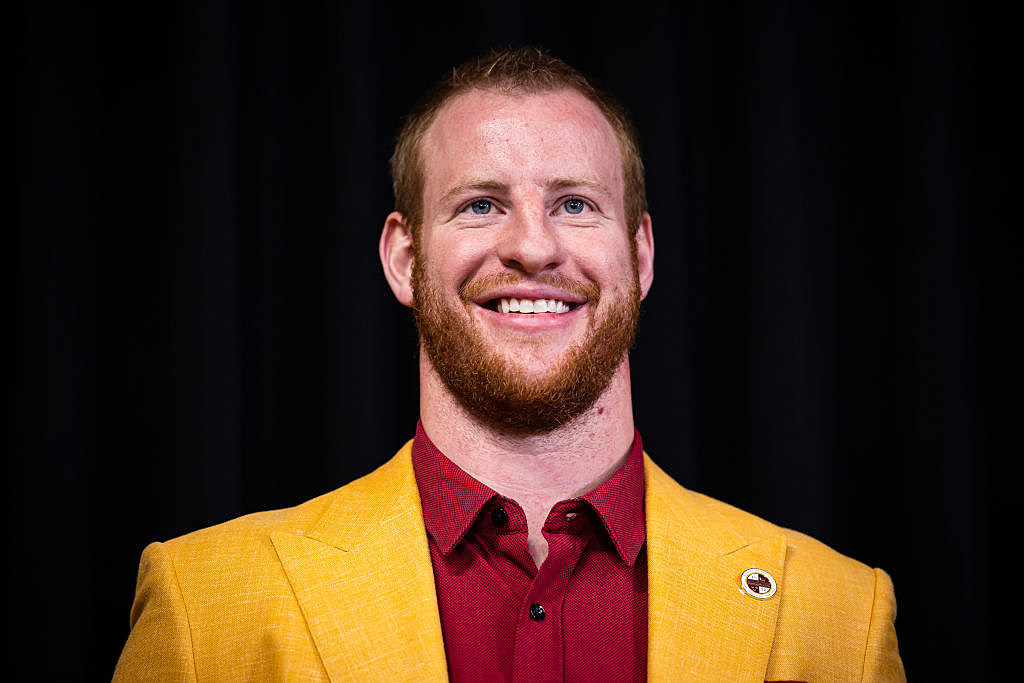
(522, 534)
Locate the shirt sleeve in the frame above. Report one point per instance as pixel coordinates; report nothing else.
(159, 647)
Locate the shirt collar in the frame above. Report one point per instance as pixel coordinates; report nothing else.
(619, 502)
(452, 499)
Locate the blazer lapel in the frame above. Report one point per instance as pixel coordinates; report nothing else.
(702, 625)
(363, 579)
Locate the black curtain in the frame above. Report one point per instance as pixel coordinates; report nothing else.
(203, 330)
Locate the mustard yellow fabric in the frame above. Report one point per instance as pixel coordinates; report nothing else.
(341, 588)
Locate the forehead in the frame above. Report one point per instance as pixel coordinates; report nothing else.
(519, 138)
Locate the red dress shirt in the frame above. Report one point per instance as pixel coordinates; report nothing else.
(581, 617)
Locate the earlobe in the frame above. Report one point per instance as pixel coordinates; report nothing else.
(645, 254)
(397, 255)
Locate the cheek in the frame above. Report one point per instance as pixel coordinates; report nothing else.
(454, 260)
(607, 261)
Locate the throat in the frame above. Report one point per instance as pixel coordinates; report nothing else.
(538, 547)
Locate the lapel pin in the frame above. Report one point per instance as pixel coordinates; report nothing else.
(758, 583)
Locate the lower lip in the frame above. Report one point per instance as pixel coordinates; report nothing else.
(532, 321)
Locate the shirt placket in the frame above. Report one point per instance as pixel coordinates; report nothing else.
(540, 647)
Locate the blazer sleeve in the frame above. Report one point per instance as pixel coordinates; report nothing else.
(882, 656)
(159, 647)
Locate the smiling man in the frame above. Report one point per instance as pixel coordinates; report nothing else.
(522, 534)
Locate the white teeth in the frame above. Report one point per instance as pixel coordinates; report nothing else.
(512, 305)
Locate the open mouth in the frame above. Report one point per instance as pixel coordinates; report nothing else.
(529, 306)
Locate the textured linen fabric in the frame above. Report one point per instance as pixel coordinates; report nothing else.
(593, 585)
(341, 588)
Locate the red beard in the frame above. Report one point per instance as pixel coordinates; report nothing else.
(489, 386)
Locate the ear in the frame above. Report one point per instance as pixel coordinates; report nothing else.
(396, 255)
(645, 254)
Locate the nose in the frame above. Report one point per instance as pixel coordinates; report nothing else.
(530, 243)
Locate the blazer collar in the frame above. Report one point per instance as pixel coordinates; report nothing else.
(701, 624)
(363, 580)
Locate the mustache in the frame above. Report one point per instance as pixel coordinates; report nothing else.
(477, 287)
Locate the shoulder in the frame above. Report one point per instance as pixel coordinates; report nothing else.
(245, 537)
(237, 564)
(220, 598)
(835, 615)
(249, 531)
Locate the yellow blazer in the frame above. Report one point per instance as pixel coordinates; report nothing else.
(341, 588)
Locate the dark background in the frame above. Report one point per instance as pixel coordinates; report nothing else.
(203, 330)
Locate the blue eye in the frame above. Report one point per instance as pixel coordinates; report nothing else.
(481, 206)
(574, 205)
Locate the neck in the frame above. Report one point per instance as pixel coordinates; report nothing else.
(535, 470)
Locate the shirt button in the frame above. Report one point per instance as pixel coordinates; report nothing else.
(537, 612)
(499, 516)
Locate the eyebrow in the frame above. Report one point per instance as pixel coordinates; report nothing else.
(495, 186)
(462, 188)
(563, 183)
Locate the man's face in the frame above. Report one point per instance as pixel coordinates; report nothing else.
(523, 204)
